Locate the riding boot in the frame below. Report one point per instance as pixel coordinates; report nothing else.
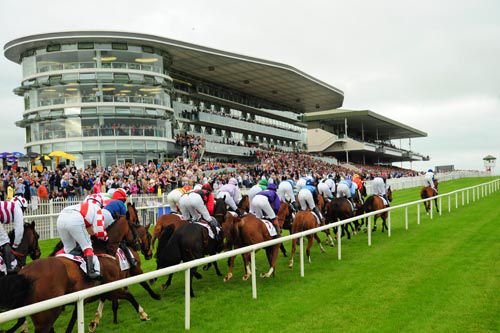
(295, 206)
(9, 259)
(316, 212)
(276, 226)
(213, 225)
(387, 200)
(128, 255)
(91, 272)
(352, 203)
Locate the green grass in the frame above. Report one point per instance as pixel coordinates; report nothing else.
(442, 276)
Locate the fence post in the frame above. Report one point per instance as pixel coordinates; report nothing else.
(389, 224)
(406, 217)
(473, 195)
(463, 197)
(449, 203)
(478, 194)
(187, 296)
(418, 214)
(80, 316)
(339, 243)
(301, 245)
(51, 223)
(370, 230)
(431, 210)
(468, 195)
(254, 278)
(440, 205)
(456, 200)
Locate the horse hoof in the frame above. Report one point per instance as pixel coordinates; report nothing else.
(228, 277)
(152, 281)
(164, 287)
(144, 317)
(156, 297)
(290, 264)
(245, 277)
(206, 267)
(92, 327)
(198, 276)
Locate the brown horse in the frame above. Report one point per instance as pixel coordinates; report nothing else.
(374, 203)
(244, 204)
(28, 246)
(145, 241)
(340, 209)
(428, 192)
(249, 230)
(304, 220)
(163, 222)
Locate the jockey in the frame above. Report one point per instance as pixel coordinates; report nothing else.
(308, 197)
(12, 212)
(267, 203)
(75, 225)
(256, 189)
(200, 203)
(231, 194)
(324, 188)
(379, 187)
(285, 192)
(429, 179)
(116, 208)
(331, 183)
(346, 189)
(303, 182)
(175, 195)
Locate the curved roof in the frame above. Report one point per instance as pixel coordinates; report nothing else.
(367, 121)
(272, 81)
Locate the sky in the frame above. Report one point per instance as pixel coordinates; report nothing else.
(433, 65)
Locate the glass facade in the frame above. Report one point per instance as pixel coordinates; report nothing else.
(85, 98)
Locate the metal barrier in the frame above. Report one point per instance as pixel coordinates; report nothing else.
(80, 296)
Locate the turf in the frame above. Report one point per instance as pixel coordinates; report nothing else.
(442, 276)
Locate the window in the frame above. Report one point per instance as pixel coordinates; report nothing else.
(91, 145)
(151, 112)
(85, 46)
(138, 145)
(147, 49)
(121, 77)
(105, 77)
(89, 111)
(87, 77)
(136, 78)
(72, 111)
(137, 111)
(107, 144)
(122, 111)
(56, 113)
(106, 110)
(119, 46)
(149, 80)
(54, 48)
(74, 146)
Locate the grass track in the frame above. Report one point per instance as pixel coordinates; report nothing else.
(440, 276)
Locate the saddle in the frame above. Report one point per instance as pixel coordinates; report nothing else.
(270, 227)
(386, 203)
(3, 267)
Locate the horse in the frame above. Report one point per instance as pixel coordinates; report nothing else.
(339, 209)
(145, 241)
(189, 242)
(163, 222)
(374, 203)
(304, 220)
(28, 246)
(428, 192)
(244, 204)
(249, 230)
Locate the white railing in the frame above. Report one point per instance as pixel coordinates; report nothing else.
(478, 191)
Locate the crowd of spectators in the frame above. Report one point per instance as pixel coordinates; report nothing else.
(193, 147)
(68, 183)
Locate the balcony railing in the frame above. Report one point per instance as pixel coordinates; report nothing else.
(91, 132)
(102, 99)
(220, 148)
(113, 65)
(215, 120)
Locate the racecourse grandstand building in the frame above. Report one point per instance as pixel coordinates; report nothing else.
(115, 97)
(359, 136)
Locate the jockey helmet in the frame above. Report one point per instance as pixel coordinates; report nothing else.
(233, 181)
(309, 182)
(21, 200)
(119, 194)
(272, 187)
(330, 175)
(198, 187)
(263, 182)
(430, 170)
(111, 191)
(96, 199)
(186, 188)
(207, 187)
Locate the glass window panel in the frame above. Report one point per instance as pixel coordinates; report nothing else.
(106, 110)
(123, 145)
(73, 127)
(147, 49)
(121, 77)
(35, 149)
(72, 111)
(43, 80)
(91, 145)
(151, 145)
(54, 48)
(138, 145)
(89, 111)
(56, 113)
(74, 146)
(107, 144)
(137, 111)
(46, 148)
(29, 66)
(102, 46)
(119, 46)
(85, 46)
(162, 146)
(122, 111)
(136, 78)
(105, 77)
(152, 112)
(59, 146)
(87, 77)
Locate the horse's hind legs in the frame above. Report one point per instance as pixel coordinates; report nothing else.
(217, 271)
(98, 315)
(283, 250)
(168, 283)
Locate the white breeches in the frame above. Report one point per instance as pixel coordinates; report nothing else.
(343, 191)
(192, 207)
(306, 199)
(71, 229)
(262, 207)
(324, 190)
(285, 192)
(173, 200)
(228, 199)
(378, 186)
(253, 192)
(429, 181)
(4, 237)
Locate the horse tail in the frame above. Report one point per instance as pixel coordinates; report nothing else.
(235, 231)
(15, 291)
(59, 246)
(165, 250)
(423, 193)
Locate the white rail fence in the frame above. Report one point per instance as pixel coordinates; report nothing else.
(476, 192)
(150, 206)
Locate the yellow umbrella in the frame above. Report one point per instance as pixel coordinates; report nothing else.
(62, 154)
